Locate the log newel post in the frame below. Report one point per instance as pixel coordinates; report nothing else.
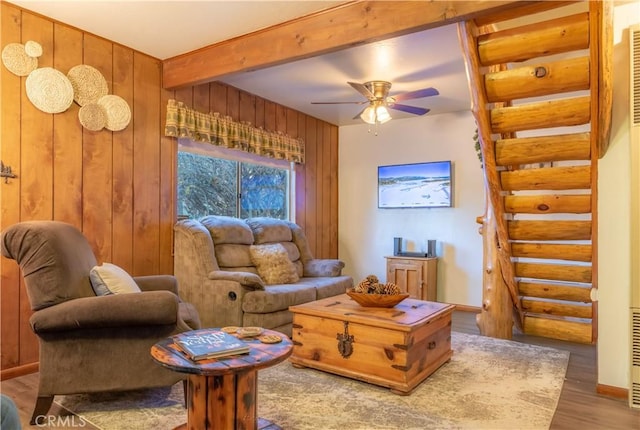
(496, 317)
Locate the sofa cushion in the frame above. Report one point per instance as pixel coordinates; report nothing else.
(110, 279)
(323, 267)
(277, 298)
(328, 287)
(269, 230)
(233, 255)
(299, 268)
(225, 229)
(292, 250)
(273, 264)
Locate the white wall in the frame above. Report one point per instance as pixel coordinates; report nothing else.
(366, 232)
(614, 268)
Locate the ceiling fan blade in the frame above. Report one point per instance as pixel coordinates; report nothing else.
(340, 103)
(362, 89)
(425, 92)
(411, 109)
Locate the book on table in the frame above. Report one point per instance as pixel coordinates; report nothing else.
(210, 343)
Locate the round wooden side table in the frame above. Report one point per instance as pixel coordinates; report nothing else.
(222, 393)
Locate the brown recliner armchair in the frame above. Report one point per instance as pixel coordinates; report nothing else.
(91, 343)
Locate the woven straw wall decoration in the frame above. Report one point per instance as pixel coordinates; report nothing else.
(49, 90)
(52, 92)
(117, 110)
(17, 61)
(33, 49)
(92, 117)
(88, 84)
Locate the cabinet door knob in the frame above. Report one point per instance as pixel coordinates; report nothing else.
(432, 345)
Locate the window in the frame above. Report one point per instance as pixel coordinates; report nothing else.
(214, 184)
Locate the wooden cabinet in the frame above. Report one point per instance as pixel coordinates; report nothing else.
(414, 275)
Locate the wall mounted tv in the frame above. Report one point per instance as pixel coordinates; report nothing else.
(416, 185)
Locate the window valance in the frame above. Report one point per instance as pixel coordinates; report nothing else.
(215, 129)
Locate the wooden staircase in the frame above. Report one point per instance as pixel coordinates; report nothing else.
(541, 94)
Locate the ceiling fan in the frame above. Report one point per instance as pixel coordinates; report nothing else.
(377, 94)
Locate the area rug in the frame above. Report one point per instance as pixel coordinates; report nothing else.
(488, 384)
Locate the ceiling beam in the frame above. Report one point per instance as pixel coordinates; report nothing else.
(344, 26)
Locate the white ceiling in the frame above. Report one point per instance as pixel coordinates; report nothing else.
(164, 29)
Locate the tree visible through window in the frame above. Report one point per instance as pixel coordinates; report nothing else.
(216, 186)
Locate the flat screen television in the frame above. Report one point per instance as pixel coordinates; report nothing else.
(416, 185)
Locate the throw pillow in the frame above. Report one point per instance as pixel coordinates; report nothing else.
(273, 264)
(111, 279)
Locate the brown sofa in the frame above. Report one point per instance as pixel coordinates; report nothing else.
(214, 266)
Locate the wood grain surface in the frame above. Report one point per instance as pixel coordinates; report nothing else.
(222, 392)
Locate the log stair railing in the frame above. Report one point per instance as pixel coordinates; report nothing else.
(541, 97)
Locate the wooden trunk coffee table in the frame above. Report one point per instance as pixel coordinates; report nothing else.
(222, 393)
(394, 347)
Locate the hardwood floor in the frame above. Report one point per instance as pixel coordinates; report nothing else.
(580, 407)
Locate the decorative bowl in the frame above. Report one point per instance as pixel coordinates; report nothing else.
(377, 300)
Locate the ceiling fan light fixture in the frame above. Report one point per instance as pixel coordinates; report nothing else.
(375, 113)
(382, 114)
(369, 115)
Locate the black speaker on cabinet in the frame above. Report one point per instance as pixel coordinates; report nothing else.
(431, 248)
(397, 245)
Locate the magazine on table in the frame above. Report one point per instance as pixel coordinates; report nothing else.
(210, 343)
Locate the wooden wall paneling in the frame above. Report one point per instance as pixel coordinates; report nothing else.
(292, 122)
(310, 192)
(218, 97)
(259, 112)
(247, 107)
(10, 327)
(317, 188)
(333, 186)
(122, 252)
(36, 171)
(233, 103)
(201, 96)
(269, 116)
(321, 189)
(146, 162)
(328, 170)
(299, 173)
(281, 118)
(168, 188)
(52, 162)
(67, 135)
(98, 161)
(37, 133)
(185, 95)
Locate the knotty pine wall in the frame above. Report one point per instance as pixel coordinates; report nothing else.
(118, 187)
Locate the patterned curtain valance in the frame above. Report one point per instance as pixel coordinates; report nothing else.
(223, 131)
